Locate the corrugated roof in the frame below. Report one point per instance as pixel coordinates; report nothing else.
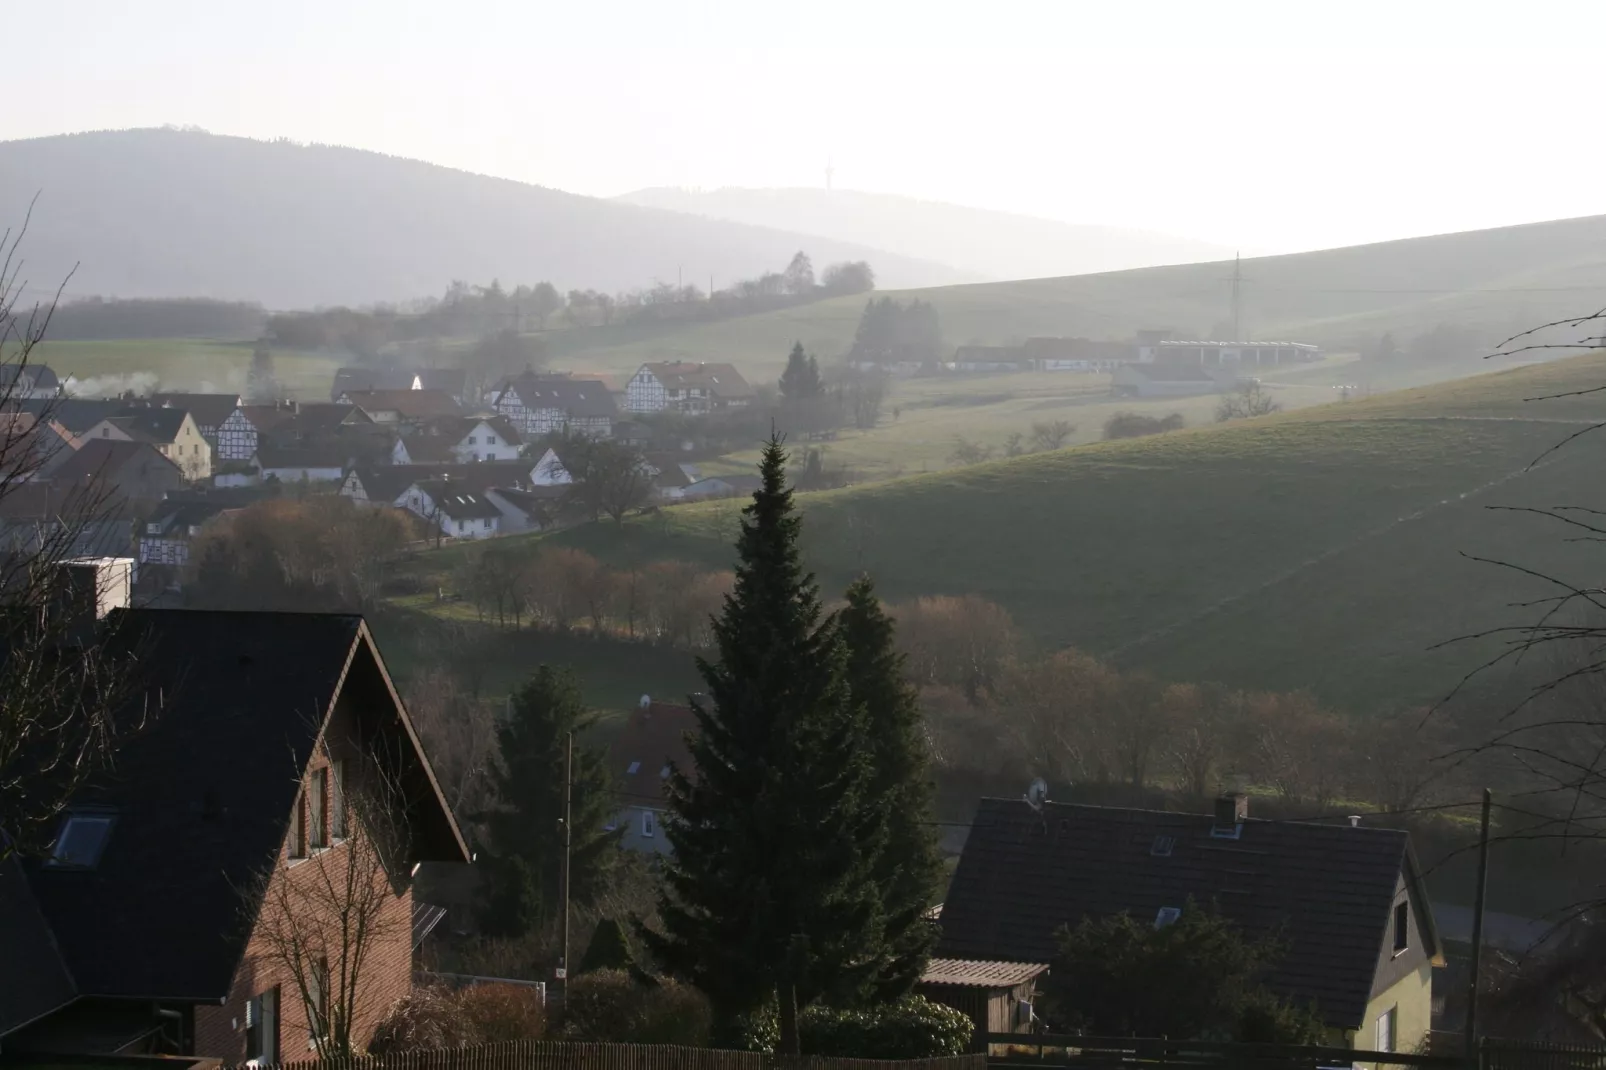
(980, 973)
(1327, 891)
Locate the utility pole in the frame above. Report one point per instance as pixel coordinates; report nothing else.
(568, 791)
(1477, 932)
(1237, 298)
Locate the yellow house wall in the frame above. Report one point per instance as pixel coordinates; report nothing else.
(1413, 995)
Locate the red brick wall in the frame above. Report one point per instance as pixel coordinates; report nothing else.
(386, 975)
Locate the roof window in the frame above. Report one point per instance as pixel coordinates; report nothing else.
(635, 767)
(1162, 845)
(81, 840)
(1167, 916)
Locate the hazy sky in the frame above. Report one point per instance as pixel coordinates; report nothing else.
(1277, 126)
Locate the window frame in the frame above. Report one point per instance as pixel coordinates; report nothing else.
(339, 813)
(262, 1028)
(317, 809)
(1389, 1020)
(649, 824)
(1402, 927)
(296, 839)
(317, 1002)
(106, 819)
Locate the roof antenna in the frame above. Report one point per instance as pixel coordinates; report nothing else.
(1037, 794)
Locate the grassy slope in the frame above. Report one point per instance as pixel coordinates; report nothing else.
(1318, 548)
(1501, 280)
(189, 364)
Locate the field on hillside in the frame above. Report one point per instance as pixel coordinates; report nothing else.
(1494, 282)
(183, 364)
(1321, 548)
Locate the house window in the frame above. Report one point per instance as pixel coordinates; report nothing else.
(105, 432)
(262, 1028)
(297, 841)
(490, 440)
(1385, 1029)
(81, 840)
(462, 525)
(649, 824)
(337, 800)
(315, 808)
(1402, 926)
(318, 998)
(472, 440)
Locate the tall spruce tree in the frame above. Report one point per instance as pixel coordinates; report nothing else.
(770, 892)
(909, 868)
(801, 379)
(529, 787)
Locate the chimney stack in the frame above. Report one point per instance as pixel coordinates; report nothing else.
(1232, 808)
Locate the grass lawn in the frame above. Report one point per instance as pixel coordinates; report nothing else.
(187, 364)
(1320, 548)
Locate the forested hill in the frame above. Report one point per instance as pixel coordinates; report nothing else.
(170, 213)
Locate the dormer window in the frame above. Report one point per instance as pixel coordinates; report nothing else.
(81, 840)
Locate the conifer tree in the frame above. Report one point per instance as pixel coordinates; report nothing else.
(801, 379)
(909, 868)
(769, 893)
(529, 786)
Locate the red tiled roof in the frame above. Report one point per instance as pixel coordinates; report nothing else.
(650, 741)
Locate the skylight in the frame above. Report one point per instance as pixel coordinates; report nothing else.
(635, 767)
(1167, 916)
(1161, 848)
(81, 840)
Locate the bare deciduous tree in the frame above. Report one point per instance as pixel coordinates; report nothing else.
(1246, 402)
(66, 689)
(322, 918)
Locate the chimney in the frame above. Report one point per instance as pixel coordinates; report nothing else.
(1232, 808)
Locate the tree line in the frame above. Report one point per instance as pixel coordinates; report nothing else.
(998, 711)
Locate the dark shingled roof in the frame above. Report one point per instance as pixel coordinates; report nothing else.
(104, 458)
(37, 981)
(576, 397)
(1327, 890)
(459, 503)
(151, 425)
(203, 797)
(209, 410)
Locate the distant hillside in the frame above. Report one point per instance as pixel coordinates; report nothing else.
(1488, 283)
(1322, 548)
(166, 213)
(999, 245)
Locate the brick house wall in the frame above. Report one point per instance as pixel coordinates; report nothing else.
(387, 973)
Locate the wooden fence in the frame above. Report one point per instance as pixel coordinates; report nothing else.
(1131, 1053)
(1507, 1055)
(546, 1055)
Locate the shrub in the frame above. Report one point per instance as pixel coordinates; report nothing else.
(912, 1028)
(426, 1019)
(1136, 425)
(500, 1012)
(611, 1005)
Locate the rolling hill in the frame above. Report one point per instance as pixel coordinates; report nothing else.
(997, 245)
(1492, 283)
(157, 213)
(1325, 548)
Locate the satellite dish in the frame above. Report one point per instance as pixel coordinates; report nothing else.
(1037, 793)
(646, 700)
